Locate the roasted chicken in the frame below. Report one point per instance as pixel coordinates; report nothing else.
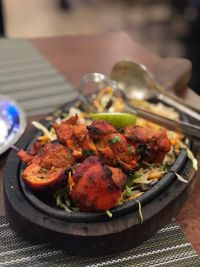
(112, 145)
(48, 168)
(97, 187)
(151, 146)
(74, 134)
(92, 161)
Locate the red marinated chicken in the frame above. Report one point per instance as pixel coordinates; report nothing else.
(98, 154)
(112, 145)
(150, 145)
(97, 187)
(48, 168)
(75, 135)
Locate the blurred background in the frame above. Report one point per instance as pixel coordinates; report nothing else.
(166, 27)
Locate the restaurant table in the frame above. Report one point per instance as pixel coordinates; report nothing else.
(73, 56)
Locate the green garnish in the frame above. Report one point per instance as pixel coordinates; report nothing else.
(130, 149)
(87, 152)
(128, 191)
(135, 175)
(114, 140)
(132, 177)
(109, 213)
(117, 119)
(141, 149)
(62, 199)
(166, 166)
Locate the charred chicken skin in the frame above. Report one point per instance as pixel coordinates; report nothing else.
(151, 146)
(48, 168)
(74, 134)
(112, 145)
(97, 187)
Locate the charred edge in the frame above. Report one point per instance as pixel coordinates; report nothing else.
(108, 175)
(94, 130)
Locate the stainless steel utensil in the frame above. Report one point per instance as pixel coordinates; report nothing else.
(93, 82)
(12, 123)
(138, 83)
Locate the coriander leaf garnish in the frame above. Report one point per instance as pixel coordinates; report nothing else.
(114, 140)
(141, 149)
(130, 149)
(87, 152)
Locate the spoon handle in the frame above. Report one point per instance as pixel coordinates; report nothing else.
(177, 126)
(179, 106)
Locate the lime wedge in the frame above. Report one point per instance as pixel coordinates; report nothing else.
(117, 119)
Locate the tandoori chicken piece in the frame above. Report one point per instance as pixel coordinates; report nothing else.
(99, 128)
(150, 145)
(112, 145)
(97, 187)
(75, 135)
(48, 169)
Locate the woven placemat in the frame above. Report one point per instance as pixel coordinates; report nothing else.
(29, 78)
(26, 76)
(168, 247)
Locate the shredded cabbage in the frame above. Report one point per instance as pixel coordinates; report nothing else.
(41, 127)
(109, 213)
(190, 156)
(180, 178)
(140, 211)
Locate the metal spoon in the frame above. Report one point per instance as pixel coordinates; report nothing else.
(138, 83)
(12, 123)
(93, 82)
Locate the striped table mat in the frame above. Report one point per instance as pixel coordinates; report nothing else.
(167, 248)
(26, 76)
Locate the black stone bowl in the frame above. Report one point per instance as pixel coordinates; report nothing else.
(45, 203)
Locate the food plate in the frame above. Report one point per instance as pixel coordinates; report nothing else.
(45, 203)
(91, 233)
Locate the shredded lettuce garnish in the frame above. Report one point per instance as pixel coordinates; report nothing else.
(180, 178)
(41, 127)
(128, 191)
(190, 156)
(109, 213)
(135, 175)
(140, 211)
(62, 200)
(132, 177)
(143, 179)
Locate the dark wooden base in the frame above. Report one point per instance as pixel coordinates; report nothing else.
(98, 238)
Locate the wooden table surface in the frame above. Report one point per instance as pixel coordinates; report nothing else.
(73, 56)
